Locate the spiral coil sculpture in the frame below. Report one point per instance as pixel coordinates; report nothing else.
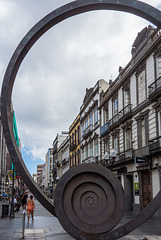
(89, 199)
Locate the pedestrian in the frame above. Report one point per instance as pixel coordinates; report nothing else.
(8, 196)
(24, 200)
(17, 204)
(30, 208)
(4, 196)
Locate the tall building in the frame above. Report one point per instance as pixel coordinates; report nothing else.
(90, 123)
(63, 157)
(39, 173)
(6, 161)
(3, 167)
(130, 120)
(50, 169)
(57, 161)
(34, 175)
(74, 138)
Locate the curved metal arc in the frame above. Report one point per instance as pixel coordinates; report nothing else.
(136, 7)
(137, 221)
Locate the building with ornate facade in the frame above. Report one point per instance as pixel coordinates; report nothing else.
(130, 119)
(74, 136)
(3, 163)
(39, 173)
(57, 158)
(90, 123)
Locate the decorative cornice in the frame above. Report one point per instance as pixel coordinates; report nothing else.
(142, 115)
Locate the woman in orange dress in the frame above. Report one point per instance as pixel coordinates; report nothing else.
(30, 208)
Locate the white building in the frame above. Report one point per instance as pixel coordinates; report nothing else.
(65, 155)
(57, 158)
(130, 112)
(34, 175)
(90, 123)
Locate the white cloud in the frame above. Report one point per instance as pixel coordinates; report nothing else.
(51, 82)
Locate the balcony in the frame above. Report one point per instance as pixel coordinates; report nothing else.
(125, 113)
(65, 160)
(155, 89)
(114, 122)
(155, 146)
(142, 152)
(105, 129)
(88, 131)
(58, 164)
(73, 146)
(89, 160)
(124, 157)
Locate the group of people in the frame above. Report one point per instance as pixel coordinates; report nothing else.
(27, 203)
(6, 196)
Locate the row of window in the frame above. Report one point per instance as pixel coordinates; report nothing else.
(90, 150)
(89, 120)
(75, 137)
(141, 90)
(75, 158)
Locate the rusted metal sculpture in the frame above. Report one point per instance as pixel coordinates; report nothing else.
(92, 186)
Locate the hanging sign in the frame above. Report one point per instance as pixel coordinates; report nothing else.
(10, 175)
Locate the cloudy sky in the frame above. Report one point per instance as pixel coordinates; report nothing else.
(70, 57)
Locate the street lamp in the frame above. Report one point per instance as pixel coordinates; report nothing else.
(110, 159)
(106, 158)
(57, 178)
(113, 155)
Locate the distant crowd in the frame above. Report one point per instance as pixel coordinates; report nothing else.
(23, 200)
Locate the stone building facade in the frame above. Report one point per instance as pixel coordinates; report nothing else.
(130, 115)
(74, 139)
(3, 162)
(90, 123)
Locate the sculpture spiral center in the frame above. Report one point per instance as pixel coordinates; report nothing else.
(87, 197)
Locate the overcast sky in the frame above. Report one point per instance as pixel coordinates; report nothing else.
(70, 57)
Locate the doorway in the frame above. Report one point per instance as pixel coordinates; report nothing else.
(146, 188)
(128, 192)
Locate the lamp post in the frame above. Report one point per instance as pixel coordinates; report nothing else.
(106, 158)
(113, 155)
(110, 159)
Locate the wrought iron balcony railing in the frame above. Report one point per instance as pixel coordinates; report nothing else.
(155, 145)
(64, 161)
(105, 129)
(154, 88)
(88, 131)
(73, 146)
(126, 111)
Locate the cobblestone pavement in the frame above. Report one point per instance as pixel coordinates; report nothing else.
(47, 227)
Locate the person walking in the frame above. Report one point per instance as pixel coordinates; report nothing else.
(17, 203)
(30, 208)
(24, 200)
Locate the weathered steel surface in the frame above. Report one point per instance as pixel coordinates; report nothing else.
(80, 6)
(89, 200)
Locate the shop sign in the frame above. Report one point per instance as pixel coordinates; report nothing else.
(136, 188)
(140, 159)
(10, 175)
